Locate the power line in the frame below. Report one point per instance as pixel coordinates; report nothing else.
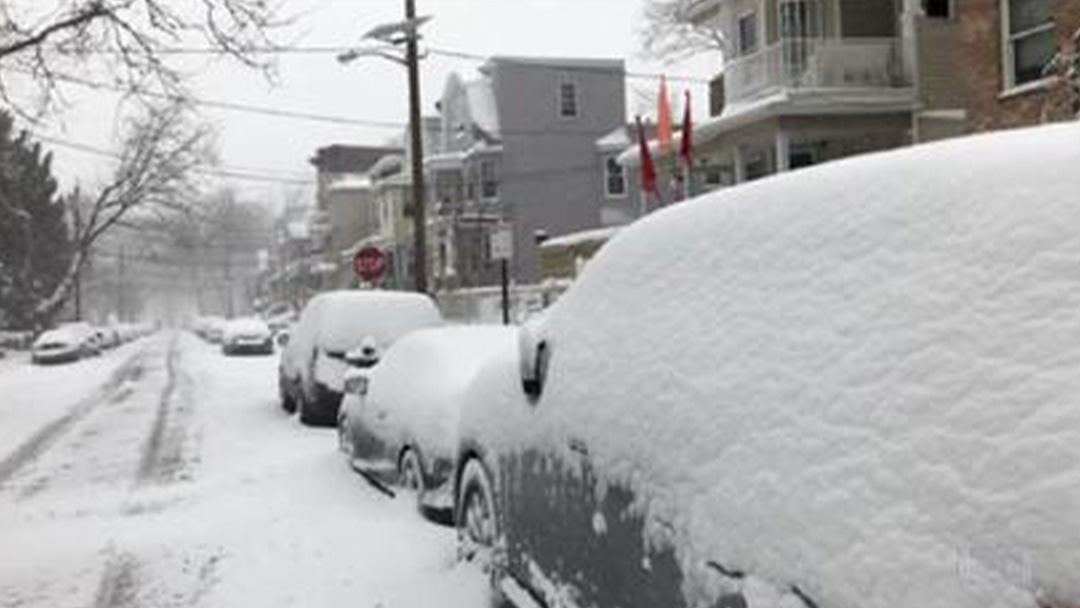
(220, 105)
(437, 51)
(231, 173)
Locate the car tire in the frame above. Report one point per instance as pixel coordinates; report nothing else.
(477, 522)
(306, 412)
(411, 476)
(288, 402)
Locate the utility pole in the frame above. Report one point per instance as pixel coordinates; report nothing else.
(412, 60)
(388, 36)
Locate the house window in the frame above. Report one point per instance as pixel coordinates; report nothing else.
(939, 9)
(1030, 46)
(748, 33)
(568, 100)
(489, 180)
(614, 178)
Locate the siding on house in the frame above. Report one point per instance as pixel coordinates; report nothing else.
(990, 106)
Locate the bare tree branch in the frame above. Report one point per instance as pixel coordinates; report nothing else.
(161, 152)
(129, 39)
(672, 32)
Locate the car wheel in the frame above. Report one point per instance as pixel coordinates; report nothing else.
(411, 476)
(288, 402)
(307, 414)
(477, 521)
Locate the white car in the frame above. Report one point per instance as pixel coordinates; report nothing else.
(331, 326)
(399, 419)
(59, 346)
(247, 335)
(856, 384)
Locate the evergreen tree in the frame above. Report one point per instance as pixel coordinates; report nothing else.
(34, 237)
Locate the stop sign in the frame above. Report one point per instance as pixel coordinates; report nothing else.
(369, 263)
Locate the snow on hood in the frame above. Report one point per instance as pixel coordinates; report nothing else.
(861, 378)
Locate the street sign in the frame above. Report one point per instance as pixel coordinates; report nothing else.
(369, 263)
(502, 243)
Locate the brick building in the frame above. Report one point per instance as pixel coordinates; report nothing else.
(1015, 55)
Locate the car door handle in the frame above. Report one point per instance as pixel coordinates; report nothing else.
(579, 446)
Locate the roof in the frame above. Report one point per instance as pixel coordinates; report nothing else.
(597, 235)
(350, 181)
(341, 158)
(790, 102)
(556, 62)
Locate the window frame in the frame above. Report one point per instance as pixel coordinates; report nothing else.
(608, 174)
(743, 50)
(560, 100)
(485, 194)
(1009, 40)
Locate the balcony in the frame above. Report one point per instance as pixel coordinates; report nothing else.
(816, 63)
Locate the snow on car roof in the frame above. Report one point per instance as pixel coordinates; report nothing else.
(860, 378)
(346, 317)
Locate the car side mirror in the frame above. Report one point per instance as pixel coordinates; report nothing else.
(282, 338)
(533, 355)
(365, 355)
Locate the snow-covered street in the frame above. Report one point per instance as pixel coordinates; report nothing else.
(165, 474)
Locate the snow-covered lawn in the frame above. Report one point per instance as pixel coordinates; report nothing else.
(192, 488)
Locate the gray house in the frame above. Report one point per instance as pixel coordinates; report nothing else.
(522, 145)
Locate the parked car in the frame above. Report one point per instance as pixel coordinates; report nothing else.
(850, 385)
(398, 419)
(59, 346)
(90, 340)
(313, 362)
(247, 335)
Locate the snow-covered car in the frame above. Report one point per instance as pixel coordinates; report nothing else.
(850, 385)
(59, 346)
(247, 335)
(332, 324)
(398, 420)
(89, 339)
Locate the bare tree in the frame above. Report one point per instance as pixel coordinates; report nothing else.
(132, 40)
(673, 31)
(154, 176)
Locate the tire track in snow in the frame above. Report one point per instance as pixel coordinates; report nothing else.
(40, 442)
(163, 457)
(119, 583)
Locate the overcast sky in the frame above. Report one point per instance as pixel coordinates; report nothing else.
(370, 88)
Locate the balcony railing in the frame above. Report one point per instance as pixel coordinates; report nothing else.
(820, 63)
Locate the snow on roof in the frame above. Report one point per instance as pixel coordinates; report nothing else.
(578, 238)
(483, 108)
(349, 181)
(617, 139)
(859, 379)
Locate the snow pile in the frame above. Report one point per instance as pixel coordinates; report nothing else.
(858, 382)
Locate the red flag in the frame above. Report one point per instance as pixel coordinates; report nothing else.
(663, 120)
(648, 170)
(686, 148)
